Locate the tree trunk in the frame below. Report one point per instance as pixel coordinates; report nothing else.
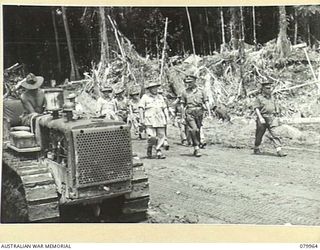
(56, 36)
(223, 45)
(74, 74)
(254, 27)
(234, 40)
(191, 33)
(309, 33)
(283, 44)
(295, 27)
(209, 33)
(242, 24)
(104, 45)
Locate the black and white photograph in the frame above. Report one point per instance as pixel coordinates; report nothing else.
(168, 115)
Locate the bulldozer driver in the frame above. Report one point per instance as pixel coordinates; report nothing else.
(154, 115)
(193, 99)
(33, 99)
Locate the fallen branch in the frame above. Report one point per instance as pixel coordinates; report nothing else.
(121, 49)
(294, 87)
(299, 120)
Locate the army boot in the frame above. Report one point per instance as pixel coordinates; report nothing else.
(160, 155)
(280, 153)
(257, 151)
(166, 145)
(196, 152)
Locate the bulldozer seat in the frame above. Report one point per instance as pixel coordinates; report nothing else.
(12, 110)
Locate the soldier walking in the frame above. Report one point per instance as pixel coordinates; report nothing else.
(121, 104)
(193, 100)
(266, 109)
(154, 115)
(134, 116)
(165, 143)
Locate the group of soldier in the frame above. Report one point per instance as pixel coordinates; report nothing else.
(150, 112)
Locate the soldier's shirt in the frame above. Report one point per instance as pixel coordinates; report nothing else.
(266, 106)
(134, 104)
(122, 105)
(105, 107)
(195, 98)
(153, 106)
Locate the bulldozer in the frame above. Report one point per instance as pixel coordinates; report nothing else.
(61, 160)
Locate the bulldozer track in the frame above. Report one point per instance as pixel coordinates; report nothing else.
(38, 188)
(136, 203)
(39, 199)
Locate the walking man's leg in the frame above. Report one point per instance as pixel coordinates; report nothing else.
(275, 139)
(195, 134)
(260, 130)
(151, 141)
(161, 137)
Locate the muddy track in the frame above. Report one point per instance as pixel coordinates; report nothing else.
(233, 186)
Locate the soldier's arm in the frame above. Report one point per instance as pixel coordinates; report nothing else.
(182, 104)
(256, 105)
(258, 113)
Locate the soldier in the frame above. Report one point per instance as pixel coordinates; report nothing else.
(154, 115)
(121, 104)
(106, 105)
(265, 109)
(165, 143)
(193, 99)
(134, 115)
(180, 122)
(32, 99)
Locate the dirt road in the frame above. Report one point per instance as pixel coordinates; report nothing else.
(233, 186)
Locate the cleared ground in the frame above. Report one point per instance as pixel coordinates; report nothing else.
(233, 186)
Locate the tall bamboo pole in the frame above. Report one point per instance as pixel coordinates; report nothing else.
(164, 48)
(191, 33)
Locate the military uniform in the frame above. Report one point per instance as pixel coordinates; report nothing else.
(155, 120)
(268, 109)
(181, 124)
(106, 106)
(121, 105)
(122, 108)
(193, 101)
(134, 116)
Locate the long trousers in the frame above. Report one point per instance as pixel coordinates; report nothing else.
(194, 117)
(182, 129)
(272, 135)
(156, 136)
